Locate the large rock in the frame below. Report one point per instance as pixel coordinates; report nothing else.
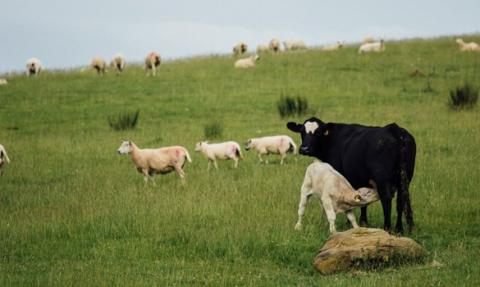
(345, 249)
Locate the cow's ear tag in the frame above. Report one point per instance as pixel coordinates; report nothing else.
(325, 133)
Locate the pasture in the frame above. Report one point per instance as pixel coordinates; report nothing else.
(74, 212)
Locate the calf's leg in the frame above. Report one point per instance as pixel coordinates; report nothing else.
(351, 218)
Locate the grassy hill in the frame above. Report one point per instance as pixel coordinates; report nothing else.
(73, 212)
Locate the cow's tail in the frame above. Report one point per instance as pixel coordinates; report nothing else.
(407, 151)
(187, 155)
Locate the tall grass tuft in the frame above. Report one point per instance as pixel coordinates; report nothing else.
(463, 96)
(124, 121)
(288, 106)
(213, 130)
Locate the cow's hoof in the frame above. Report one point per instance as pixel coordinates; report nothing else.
(399, 229)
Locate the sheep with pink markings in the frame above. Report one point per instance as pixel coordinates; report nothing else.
(272, 145)
(219, 151)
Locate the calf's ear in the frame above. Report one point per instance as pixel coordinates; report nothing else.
(294, 127)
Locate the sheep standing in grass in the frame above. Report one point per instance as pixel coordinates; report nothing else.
(98, 64)
(34, 66)
(152, 61)
(118, 63)
(372, 47)
(223, 151)
(159, 160)
(291, 45)
(368, 39)
(274, 45)
(3, 82)
(247, 62)
(3, 157)
(467, 47)
(272, 145)
(240, 49)
(333, 47)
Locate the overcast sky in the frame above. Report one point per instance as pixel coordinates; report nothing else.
(66, 33)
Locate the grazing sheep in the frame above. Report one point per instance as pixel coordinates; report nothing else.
(368, 39)
(34, 66)
(335, 193)
(263, 48)
(118, 63)
(160, 160)
(468, 47)
(272, 145)
(3, 157)
(291, 45)
(372, 47)
(224, 151)
(246, 62)
(333, 47)
(152, 61)
(99, 65)
(3, 82)
(274, 45)
(239, 49)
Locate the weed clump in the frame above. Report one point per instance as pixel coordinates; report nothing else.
(288, 106)
(124, 121)
(463, 96)
(213, 130)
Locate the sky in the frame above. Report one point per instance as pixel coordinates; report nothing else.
(66, 33)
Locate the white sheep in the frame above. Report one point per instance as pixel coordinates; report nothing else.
(223, 151)
(246, 62)
(291, 45)
(467, 47)
(239, 49)
(3, 157)
(3, 82)
(263, 48)
(372, 47)
(34, 66)
(368, 39)
(333, 47)
(98, 64)
(274, 45)
(152, 61)
(272, 145)
(118, 63)
(160, 160)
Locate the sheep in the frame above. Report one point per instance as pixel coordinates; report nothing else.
(372, 47)
(467, 47)
(335, 193)
(3, 82)
(225, 150)
(118, 63)
(368, 39)
(263, 48)
(333, 47)
(274, 45)
(246, 62)
(152, 61)
(34, 67)
(272, 145)
(291, 45)
(99, 65)
(3, 157)
(239, 49)
(160, 160)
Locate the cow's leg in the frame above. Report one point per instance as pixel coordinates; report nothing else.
(400, 207)
(363, 216)
(331, 216)
(351, 218)
(384, 192)
(304, 194)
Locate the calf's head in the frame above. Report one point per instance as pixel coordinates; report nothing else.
(125, 147)
(313, 132)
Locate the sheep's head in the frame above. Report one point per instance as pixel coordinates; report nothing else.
(125, 147)
(248, 144)
(459, 41)
(198, 146)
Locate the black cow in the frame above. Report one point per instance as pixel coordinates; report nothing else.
(360, 153)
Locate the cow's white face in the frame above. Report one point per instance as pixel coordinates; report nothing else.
(311, 127)
(125, 148)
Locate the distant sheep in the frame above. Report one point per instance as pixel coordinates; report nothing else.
(223, 151)
(159, 160)
(3, 157)
(3, 82)
(272, 145)
(118, 63)
(467, 47)
(291, 45)
(99, 65)
(152, 61)
(333, 47)
(368, 39)
(372, 47)
(246, 62)
(240, 49)
(34, 66)
(274, 45)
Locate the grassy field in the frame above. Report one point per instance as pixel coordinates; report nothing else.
(73, 212)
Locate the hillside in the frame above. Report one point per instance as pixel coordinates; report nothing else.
(74, 212)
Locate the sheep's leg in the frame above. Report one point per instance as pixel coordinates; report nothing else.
(282, 158)
(145, 175)
(260, 157)
(209, 164)
(180, 172)
(154, 70)
(215, 164)
(351, 218)
(235, 165)
(304, 194)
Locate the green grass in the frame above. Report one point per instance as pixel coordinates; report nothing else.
(73, 212)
